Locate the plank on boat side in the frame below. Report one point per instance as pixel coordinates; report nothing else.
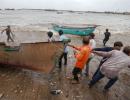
(36, 56)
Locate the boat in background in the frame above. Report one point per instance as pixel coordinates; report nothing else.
(75, 30)
(41, 56)
(59, 12)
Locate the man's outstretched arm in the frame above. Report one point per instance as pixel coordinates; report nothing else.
(2, 31)
(103, 54)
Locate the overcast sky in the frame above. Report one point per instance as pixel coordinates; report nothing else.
(85, 5)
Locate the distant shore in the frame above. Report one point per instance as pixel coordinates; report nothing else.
(72, 11)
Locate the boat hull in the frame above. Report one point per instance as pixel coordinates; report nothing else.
(75, 30)
(35, 56)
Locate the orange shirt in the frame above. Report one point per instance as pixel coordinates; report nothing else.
(82, 56)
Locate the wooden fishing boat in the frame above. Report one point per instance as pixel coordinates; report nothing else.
(40, 56)
(81, 31)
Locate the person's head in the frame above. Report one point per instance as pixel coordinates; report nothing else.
(126, 50)
(86, 40)
(107, 30)
(92, 35)
(118, 45)
(50, 34)
(8, 26)
(60, 32)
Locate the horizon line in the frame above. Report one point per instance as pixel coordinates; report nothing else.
(48, 9)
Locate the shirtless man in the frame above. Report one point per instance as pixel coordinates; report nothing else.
(8, 33)
(107, 36)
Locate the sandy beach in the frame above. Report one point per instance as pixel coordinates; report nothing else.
(21, 84)
(30, 27)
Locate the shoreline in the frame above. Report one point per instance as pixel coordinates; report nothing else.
(39, 28)
(26, 35)
(71, 11)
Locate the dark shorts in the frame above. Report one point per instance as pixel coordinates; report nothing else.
(106, 39)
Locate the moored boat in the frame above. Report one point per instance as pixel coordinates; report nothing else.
(81, 31)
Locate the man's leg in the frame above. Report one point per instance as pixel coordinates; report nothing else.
(65, 58)
(101, 62)
(60, 60)
(96, 78)
(110, 83)
(96, 72)
(104, 41)
(87, 67)
(75, 73)
(11, 38)
(7, 38)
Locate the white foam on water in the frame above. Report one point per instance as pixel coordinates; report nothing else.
(29, 20)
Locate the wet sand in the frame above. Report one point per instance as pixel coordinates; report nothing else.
(21, 84)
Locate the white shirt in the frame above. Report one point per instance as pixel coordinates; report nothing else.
(63, 37)
(92, 43)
